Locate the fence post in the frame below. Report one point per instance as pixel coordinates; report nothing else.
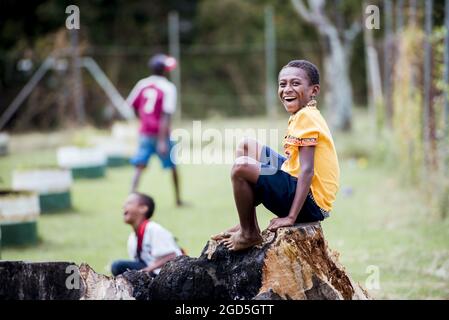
(427, 84)
(446, 82)
(174, 51)
(270, 62)
(388, 9)
(413, 13)
(78, 96)
(373, 77)
(399, 16)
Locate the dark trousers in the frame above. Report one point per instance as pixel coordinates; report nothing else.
(120, 266)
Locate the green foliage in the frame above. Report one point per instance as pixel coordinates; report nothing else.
(441, 179)
(408, 101)
(408, 126)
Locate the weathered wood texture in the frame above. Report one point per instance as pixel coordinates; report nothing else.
(293, 263)
(36, 281)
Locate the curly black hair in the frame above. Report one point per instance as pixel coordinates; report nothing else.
(146, 201)
(308, 67)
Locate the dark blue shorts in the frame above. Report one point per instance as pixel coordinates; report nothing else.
(276, 189)
(147, 148)
(120, 266)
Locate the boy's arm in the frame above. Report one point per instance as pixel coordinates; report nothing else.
(168, 107)
(160, 261)
(163, 134)
(136, 113)
(132, 98)
(306, 158)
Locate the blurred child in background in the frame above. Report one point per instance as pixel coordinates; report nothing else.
(154, 102)
(150, 245)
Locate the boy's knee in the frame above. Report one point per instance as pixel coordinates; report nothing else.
(244, 146)
(116, 268)
(241, 166)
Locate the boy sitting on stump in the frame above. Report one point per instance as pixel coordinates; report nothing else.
(298, 188)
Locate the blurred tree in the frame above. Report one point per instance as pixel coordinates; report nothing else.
(337, 61)
(374, 81)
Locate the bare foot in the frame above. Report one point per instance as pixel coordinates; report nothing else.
(225, 234)
(238, 242)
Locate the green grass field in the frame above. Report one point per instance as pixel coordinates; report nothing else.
(377, 221)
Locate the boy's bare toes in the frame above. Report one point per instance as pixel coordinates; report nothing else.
(238, 242)
(221, 236)
(227, 243)
(216, 237)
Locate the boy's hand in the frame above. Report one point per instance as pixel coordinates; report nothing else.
(280, 222)
(147, 269)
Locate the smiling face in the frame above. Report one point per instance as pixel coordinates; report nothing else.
(133, 209)
(294, 89)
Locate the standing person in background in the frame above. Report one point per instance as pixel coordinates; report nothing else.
(154, 101)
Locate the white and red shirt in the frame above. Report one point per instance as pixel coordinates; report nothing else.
(151, 97)
(156, 242)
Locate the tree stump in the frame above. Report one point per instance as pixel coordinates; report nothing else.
(36, 281)
(291, 263)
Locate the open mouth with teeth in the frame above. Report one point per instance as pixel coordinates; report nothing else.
(289, 98)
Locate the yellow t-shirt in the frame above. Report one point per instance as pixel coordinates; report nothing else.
(307, 127)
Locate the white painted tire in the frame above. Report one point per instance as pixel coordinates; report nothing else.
(74, 157)
(4, 144)
(115, 147)
(125, 131)
(18, 207)
(42, 181)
